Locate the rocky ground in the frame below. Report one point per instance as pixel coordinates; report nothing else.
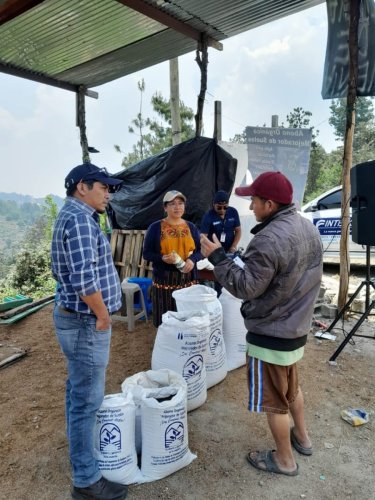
(33, 452)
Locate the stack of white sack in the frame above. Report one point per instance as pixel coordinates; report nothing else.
(203, 298)
(161, 397)
(234, 330)
(181, 345)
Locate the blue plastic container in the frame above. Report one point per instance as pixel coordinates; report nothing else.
(144, 284)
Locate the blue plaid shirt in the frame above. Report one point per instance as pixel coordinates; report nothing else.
(81, 259)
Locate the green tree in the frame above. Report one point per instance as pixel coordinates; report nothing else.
(364, 116)
(155, 134)
(30, 272)
(318, 158)
(299, 118)
(50, 211)
(240, 138)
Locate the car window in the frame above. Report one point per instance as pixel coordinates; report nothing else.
(333, 200)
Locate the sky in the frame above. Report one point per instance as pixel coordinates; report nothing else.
(266, 71)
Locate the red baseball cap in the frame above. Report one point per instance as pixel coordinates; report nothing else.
(271, 186)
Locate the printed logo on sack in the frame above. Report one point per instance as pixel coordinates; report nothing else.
(110, 437)
(330, 226)
(193, 366)
(180, 336)
(174, 435)
(216, 342)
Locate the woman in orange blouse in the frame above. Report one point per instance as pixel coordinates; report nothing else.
(172, 244)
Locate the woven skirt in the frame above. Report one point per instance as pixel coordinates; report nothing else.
(162, 300)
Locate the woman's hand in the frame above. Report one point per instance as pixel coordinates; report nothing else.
(169, 258)
(189, 265)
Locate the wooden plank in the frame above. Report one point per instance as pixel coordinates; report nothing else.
(137, 252)
(127, 246)
(126, 254)
(12, 359)
(25, 307)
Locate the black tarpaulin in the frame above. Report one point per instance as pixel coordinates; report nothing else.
(197, 168)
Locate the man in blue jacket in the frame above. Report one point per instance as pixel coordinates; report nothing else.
(223, 221)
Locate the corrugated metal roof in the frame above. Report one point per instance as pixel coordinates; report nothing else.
(91, 42)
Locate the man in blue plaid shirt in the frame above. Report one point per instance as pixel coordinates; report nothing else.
(88, 292)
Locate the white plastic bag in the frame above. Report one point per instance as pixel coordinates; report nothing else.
(181, 345)
(203, 298)
(234, 330)
(162, 398)
(114, 439)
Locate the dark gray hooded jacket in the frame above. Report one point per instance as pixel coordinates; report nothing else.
(280, 281)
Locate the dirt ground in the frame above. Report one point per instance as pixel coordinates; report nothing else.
(33, 451)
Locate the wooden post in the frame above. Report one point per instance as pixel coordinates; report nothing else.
(274, 120)
(217, 122)
(81, 123)
(348, 152)
(175, 101)
(202, 61)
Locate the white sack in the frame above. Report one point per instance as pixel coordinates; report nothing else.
(162, 396)
(181, 345)
(114, 439)
(234, 330)
(203, 298)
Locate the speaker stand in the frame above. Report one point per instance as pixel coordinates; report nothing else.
(368, 282)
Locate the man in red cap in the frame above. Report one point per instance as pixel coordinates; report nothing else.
(278, 284)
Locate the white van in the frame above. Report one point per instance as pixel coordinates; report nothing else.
(325, 213)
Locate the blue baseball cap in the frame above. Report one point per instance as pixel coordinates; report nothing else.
(90, 172)
(221, 197)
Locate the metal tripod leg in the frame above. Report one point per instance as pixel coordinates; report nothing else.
(346, 306)
(367, 283)
(352, 331)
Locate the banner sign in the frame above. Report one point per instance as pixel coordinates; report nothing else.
(336, 66)
(286, 150)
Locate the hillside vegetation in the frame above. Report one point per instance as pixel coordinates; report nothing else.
(25, 234)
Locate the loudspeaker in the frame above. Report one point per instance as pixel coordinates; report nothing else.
(362, 179)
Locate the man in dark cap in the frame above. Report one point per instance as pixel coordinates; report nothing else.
(223, 221)
(88, 292)
(278, 284)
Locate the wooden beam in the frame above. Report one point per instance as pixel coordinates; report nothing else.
(47, 80)
(169, 21)
(14, 8)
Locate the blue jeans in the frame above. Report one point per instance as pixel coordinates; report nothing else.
(87, 353)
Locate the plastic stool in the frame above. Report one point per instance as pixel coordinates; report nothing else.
(130, 290)
(145, 284)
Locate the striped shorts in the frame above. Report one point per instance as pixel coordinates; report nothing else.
(272, 388)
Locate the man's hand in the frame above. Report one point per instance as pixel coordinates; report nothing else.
(103, 323)
(207, 246)
(97, 306)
